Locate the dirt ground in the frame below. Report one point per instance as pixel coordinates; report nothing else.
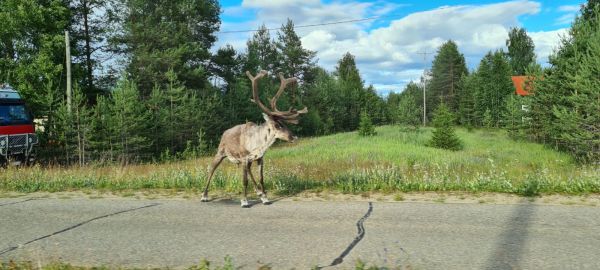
(426, 197)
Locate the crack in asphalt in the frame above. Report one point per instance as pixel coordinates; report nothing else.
(11, 203)
(360, 235)
(9, 249)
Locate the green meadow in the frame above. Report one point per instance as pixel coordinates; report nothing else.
(393, 161)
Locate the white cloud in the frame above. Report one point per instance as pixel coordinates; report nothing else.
(564, 19)
(569, 8)
(567, 18)
(546, 42)
(388, 56)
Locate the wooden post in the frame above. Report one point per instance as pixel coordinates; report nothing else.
(69, 91)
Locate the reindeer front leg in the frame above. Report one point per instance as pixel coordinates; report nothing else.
(263, 196)
(245, 203)
(258, 193)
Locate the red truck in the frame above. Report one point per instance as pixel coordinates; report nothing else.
(17, 130)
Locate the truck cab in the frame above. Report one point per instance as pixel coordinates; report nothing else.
(17, 129)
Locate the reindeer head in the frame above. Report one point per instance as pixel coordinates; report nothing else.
(275, 119)
(278, 127)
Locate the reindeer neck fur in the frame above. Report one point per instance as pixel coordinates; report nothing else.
(258, 138)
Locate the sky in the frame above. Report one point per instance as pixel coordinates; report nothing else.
(388, 49)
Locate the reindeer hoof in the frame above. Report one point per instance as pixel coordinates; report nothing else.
(204, 198)
(264, 200)
(245, 203)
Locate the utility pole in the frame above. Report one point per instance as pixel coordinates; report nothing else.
(69, 91)
(424, 53)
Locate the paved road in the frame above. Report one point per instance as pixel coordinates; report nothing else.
(287, 234)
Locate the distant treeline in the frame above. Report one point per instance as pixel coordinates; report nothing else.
(147, 86)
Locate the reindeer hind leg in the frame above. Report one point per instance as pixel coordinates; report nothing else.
(213, 166)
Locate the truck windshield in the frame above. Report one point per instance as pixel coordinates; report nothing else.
(13, 114)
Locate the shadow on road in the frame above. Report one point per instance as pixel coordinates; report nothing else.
(508, 251)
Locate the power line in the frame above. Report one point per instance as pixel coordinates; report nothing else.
(307, 25)
(321, 24)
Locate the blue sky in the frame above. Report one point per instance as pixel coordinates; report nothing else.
(386, 48)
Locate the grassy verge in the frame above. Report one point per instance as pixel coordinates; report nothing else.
(392, 161)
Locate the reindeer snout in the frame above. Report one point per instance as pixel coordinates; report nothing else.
(293, 139)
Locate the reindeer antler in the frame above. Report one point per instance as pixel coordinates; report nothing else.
(290, 116)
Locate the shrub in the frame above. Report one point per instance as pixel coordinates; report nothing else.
(443, 135)
(366, 127)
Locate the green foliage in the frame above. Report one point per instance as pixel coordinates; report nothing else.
(565, 103)
(174, 111)
(296, 61)
(530, 187)
(261, 52)
(366, 126)
(408, 112)
(351, 93)
(89, 33)
(344, 162)
(493, 87)
(515, 120)
(32, 48)
(520, 50)
(487, 120)
(168, 34)
(226, 64)
(448, 68)
(121, 124)
(466, 107)
(444, 136)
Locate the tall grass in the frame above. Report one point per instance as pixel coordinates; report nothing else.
(391, 161)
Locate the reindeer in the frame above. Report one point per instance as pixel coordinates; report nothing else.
(247, 143)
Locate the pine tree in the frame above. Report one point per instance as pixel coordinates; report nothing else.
(226, 64)
(296, 61)
(352, 93)
(82, 125)
(448, 67)
(261, 52)
(566, 102)
(366, 126)
(64, 134)
(374, 105)
(89, 34)
(443, 135)
(128, 122)
(466, 107)
(520, 50)
(487, 120)
(72, 129)
(324, 96)
(514, 117)
(168, 34)
(494, 86)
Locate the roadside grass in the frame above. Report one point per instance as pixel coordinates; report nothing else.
(393, 161)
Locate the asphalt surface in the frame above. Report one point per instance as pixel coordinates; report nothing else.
(302, 235)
